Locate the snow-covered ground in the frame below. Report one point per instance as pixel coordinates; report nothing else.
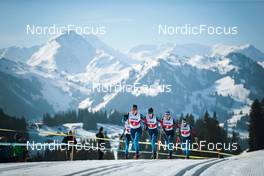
(39, 130)
(245, 164)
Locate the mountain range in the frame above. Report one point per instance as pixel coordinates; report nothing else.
(62, 74)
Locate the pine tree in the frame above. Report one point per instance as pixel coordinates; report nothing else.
(234, 139)
(262, 124)
(255, 126)
(208, 129)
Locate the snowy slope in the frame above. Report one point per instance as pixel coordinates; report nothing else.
(71, 52)
(197, 83)
(248, 50)
(31, 91)
(104, 68)
(115, 167)
(67, 52)
(218, 64)
(146, 52)
(15, 53)
(243, 165)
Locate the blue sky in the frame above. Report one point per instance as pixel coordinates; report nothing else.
(129, 23)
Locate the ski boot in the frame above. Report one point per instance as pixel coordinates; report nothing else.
(154, 156)
(136, 156)
(170, 156)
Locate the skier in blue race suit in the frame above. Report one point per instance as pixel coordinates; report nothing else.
(135, 120)
(128, 138)
(186, 131)
(168, 125)
(151, 122)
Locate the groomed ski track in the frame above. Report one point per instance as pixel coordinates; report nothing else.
(245, 164)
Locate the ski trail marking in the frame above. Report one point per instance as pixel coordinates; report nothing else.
(100, 169)
(96, 169)
(108, 170)
(111, 170)
(182, 172)
(206, 166)
(87, 170)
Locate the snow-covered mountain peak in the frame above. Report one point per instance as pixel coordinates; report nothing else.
(44, 57)
(145, 52)
(219, 64)
(68, 52)
(103, 60)
(247, 49)
(67, 38)
(218, 81)
(222, 50)
(104, 68)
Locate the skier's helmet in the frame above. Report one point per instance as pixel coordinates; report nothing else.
(184, 122)
(167, 114)
(134, 106)
(134, 109)
(150, 111)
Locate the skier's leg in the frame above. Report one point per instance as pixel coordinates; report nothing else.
(187, 153)
(170, 146)
(137, 138)
(133, 133)
(185, 146)
(127, 145)
(168, 143)
(71, 154)
(66, 155)
(151, 138)
(154, 141)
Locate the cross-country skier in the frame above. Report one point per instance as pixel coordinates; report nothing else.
(186, 131)
(168, 125)
(127, 134)
(135, 122)
(151, 122)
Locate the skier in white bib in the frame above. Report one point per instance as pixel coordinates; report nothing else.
(168, 125)
(127, 134)
(135, 122)
(186, 131)
(151, 122)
